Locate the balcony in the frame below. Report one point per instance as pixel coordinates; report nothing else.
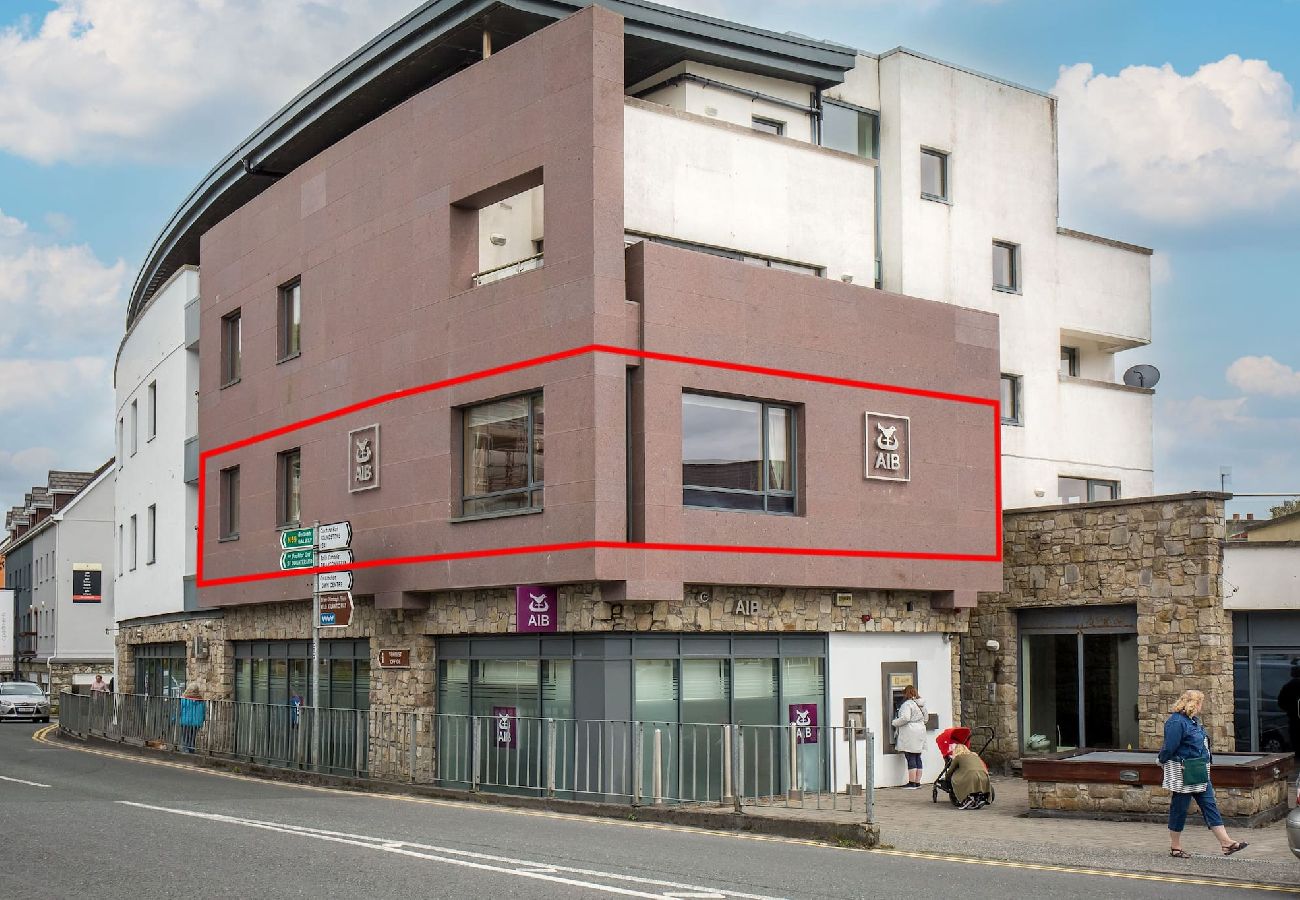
(192, 324)
(192, 460)
(527, 264)
(1107, 424)
(1105, 290)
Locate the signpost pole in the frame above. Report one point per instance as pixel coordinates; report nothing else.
(315, 643)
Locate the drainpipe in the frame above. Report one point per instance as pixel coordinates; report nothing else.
(487, 43)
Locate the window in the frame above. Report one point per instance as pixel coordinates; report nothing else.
(291, 320)
(849, 129)
(135, 426)
(737, 454)
(134, 538)
(229, 499)
(1010, 399)
(1006, 266)
(502, 456)
(934, 177)
(290, 487)
(768, 126)
(231, 353)
(1070, 361)
(153, 410)
(511, 235)
(1079, 490)
(121, 549)
(151, 535)
(121, 441)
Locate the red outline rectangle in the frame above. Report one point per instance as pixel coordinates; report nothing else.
(996, 556)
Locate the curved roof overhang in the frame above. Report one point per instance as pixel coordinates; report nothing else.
(432, 43)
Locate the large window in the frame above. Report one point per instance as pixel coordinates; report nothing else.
(1006, 266)
(503, 456)
(737, 454)
(231, 348)
(1012, 386)
(849, 129)
(290, 320)
(289, 481)
(934, 175)
(160, 669)
(229, 499)
(1078, 490)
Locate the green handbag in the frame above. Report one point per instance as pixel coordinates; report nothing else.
(1196, 771)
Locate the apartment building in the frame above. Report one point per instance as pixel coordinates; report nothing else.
(611, 314)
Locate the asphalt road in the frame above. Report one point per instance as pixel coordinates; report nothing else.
(91, 825)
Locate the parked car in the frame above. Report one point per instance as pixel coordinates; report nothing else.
(23, 700)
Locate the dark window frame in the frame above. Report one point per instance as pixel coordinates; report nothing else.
(1014, 286)
(153, 410)
(289, 315)
(1091, 485)
(768, 125)
(767, 493)
(228, 500)
(232, 351)
(945, 177)
(1070, 357)
(284, 461)
(1017, 416)
(151, 535)
(533, 485)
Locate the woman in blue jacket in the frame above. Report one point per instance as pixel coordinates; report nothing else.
(193, 714)
(1185, 739)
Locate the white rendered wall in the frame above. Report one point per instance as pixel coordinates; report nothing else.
(854, 664)
(154, 351)
(84, 534)
(693, 180)
(1261, 576)
(728, 106)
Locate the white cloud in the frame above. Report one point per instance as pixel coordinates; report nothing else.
(33, 383)
(1177, 148)
(107, 79)
(1264, 375)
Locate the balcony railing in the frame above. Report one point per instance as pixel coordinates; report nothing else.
(527, 264)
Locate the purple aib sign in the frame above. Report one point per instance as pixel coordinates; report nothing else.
(536, 608)
(803, 716)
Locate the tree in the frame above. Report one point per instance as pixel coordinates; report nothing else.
(1285, 508)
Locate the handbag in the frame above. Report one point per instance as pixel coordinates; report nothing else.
(1186, 776)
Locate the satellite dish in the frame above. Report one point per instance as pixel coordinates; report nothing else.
(1143, 376)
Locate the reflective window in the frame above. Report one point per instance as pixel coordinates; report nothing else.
(503, 456)
(231, 348)
(290, 320)
(1079, 490)
(1010, 400)
(849, 130)
(290, 484)
(737, 454)
(768, 126)
(229, 514)
(1006, 266)
(1070, 361)
(934, 175)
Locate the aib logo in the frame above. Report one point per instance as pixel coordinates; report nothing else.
(887, 444)
(536, 608)
(539, 611)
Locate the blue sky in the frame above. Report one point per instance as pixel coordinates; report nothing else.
(110, 112)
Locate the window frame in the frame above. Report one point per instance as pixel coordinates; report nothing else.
(135, 426)
(231, 350)
(151, 535)
(152, 420)
(774, 127)
(1017, 416)
(1014, 287)
(945, 176)
(289, 300)
(283, 463)
(228, 503)
(792, 420)
(1070, 357)
(1090, 485)
(532, 486)
(135, 541)
(872, 114)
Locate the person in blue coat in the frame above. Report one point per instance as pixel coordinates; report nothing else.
(192, 716)
(1185, 739)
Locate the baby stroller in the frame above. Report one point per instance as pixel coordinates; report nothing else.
(945, 741)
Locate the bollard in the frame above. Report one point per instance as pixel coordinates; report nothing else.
(658, 780)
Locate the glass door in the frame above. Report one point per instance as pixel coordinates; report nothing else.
(1277, 700)
(1078, 689)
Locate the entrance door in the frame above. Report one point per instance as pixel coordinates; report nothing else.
(1272, 725)
(1078, 690)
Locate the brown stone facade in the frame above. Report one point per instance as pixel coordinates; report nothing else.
(1248, 805)
(1163, 555)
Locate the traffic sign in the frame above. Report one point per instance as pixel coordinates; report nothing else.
(336, 609)
(301, 558)
(336, 536)
(297, 537)
(334, 581)
(335, 558)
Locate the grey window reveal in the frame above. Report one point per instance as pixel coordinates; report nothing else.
(151, 535)
(737, 454)
(290, 484)
(153, 410)
(229, 499)
(135, 536)
(1078, 490)
(502, 454)
(290, 320)
(231, 348)
(1070, 361)
(934, 175)
(849, 130)
(768, 126)
(1006, 266)
(1010, 400)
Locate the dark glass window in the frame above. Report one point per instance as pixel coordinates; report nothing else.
(1006, 266)
(231, 348)
(1077, 490)
(229, 503)
(1010, 400)
(1070, 361)
(768, 126)
(849, 130)
(290, 320)
(934, 175)
(737, 454)
(290, 484)
(503, 456)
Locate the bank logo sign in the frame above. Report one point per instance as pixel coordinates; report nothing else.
(888, 447)
(535, 608)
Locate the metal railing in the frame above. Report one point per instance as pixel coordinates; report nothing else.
(527, 264)
(619, 761)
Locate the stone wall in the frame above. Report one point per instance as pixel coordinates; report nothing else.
(1250, 806)
(1164, 555)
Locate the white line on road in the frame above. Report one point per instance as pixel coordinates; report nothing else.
(22, 781)
(518, 867)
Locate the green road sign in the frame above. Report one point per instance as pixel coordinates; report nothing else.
(297, 559)
(297, 537)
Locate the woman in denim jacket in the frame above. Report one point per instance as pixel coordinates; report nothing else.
(1185, 739)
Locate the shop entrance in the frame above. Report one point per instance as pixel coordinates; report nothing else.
(1267, 651)
(1078, 678)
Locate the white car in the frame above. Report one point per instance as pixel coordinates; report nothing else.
(23, 700)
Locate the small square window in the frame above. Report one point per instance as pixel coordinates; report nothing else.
(290, 320)
(1010, 400)
(1006, 266)
(934, 175)
(290, 485)
(229, 499)
(231, 348)
(768, 126)
(1070, 361)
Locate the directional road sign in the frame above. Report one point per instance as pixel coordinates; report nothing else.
(334, 581)
(336, 609)
(297, 559)
(335, 536)
(297, 537)
(335, 558)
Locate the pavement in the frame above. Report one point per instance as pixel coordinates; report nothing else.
(91, 820)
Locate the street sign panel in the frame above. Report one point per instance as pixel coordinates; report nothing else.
(394, 659)
(336, 609)
(296, 559)
(297, 537)
(335, 558)
(336, 536)
(334, 581)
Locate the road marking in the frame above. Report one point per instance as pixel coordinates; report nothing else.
(42, 736)
(22, 781)
(504, 865)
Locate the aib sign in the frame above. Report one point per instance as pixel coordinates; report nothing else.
(536, 608)
(803, 716)
(503, 727)
(889, 447)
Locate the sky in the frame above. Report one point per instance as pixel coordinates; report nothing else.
(1179, 130)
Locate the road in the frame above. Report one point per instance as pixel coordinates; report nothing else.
(108, 825)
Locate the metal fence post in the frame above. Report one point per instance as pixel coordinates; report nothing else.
(793, 792)
(362, 741)
(638, 741)
(854, 786)
(550, 757)
(869, 789)
(412, 731)
(737, 761)
(474, 748)
(728, 785)
(657, 780)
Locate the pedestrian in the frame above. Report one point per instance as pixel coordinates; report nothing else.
(193, 714)
(969, 778)
(910, 723)
(100, 686)
(1186, 757)
(295, 710)
(1289, 700)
